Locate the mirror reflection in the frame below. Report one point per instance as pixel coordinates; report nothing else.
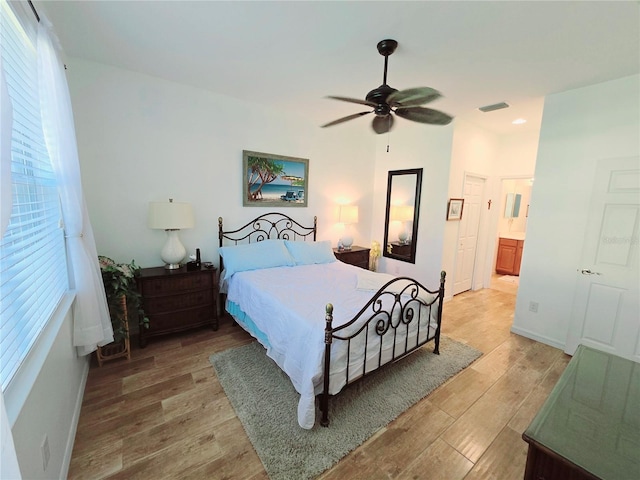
(512, 205)
(401, 217)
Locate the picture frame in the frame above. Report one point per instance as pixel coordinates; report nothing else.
(454, 209)
(270, 180)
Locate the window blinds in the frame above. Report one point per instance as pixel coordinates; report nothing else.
(33, 268)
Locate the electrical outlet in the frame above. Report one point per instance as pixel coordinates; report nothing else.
(46, 454)
(533, 307)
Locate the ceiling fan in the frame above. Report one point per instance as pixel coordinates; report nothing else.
(386, 101)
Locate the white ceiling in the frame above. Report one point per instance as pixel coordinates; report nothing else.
(290, 55)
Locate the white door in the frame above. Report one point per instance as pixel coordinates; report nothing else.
(468, 234)
(606, 308)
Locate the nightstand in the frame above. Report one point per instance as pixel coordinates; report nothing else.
(403, 249)
(358, 256)
(177, 300)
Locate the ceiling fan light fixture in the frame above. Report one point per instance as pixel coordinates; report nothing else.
(495, 106)
(386, 101)
(519, 121)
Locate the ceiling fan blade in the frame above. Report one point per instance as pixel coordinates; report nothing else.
(345, 119)
(353, 100)
(424, 115)
(412, 97)
(382, 124)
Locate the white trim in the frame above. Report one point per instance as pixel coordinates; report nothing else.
(523, 332)
(16, 393)
(66, 460)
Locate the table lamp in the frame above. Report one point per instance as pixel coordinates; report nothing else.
(171, 217)
(402, 214)
(348, 215)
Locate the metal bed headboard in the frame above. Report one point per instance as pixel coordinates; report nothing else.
(271, 225)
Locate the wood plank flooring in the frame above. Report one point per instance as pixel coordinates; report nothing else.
(164, 415)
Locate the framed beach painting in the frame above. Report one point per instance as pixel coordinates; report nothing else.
(274, 180)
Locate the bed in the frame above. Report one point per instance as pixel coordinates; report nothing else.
(325, 323)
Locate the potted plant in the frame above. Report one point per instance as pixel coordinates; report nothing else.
(123, 301)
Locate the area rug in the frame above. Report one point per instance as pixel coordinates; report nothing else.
(266, 404)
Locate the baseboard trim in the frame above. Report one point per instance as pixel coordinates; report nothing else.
(66, 460)
(538, 338)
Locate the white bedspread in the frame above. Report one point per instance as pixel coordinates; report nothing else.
(288, 305)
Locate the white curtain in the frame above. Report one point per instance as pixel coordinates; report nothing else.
(92, 325)
(9, 468)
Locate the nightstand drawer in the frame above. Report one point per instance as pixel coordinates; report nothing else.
(178, 284)
(178, 320)
(167, 303)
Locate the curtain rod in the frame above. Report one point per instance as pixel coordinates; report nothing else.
(33, 9)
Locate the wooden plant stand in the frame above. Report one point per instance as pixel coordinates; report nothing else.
(118, 349)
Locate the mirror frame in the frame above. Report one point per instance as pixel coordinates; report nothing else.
(416, 215)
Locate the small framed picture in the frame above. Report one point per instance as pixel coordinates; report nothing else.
(454, 210)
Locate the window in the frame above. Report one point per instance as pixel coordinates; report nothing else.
(33, 265)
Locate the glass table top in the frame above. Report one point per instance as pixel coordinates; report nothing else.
(592, 416)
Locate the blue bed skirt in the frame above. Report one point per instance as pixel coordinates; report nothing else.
(245, 321)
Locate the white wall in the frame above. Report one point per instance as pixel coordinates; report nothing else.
(143, 139)
(475, 151)
(480, 152)
(413, 145)
(579, 128)
(52, 408)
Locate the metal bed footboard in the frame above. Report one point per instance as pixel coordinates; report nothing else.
(393, 313)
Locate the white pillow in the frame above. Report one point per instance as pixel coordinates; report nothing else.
(253, 256)
(308, 253)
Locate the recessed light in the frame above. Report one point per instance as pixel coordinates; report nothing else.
(519, 121)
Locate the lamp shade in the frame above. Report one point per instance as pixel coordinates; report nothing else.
(348, 214)
(170, 215)
(401, 213)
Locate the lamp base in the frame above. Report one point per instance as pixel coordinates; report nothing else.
(173, 251)
(346, 242)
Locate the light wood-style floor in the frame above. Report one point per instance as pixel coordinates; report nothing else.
(164, 414)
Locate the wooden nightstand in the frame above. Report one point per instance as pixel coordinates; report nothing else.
(176, 300)
(403, 249)
(358, 256)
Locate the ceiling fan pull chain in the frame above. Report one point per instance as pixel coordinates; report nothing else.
(389, 134)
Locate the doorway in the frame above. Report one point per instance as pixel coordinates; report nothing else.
(511, 229)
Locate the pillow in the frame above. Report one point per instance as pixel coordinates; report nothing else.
(252, 256)
(308, 253)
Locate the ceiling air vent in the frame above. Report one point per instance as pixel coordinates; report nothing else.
(495, 106)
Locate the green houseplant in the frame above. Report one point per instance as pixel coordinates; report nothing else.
(120, 283)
